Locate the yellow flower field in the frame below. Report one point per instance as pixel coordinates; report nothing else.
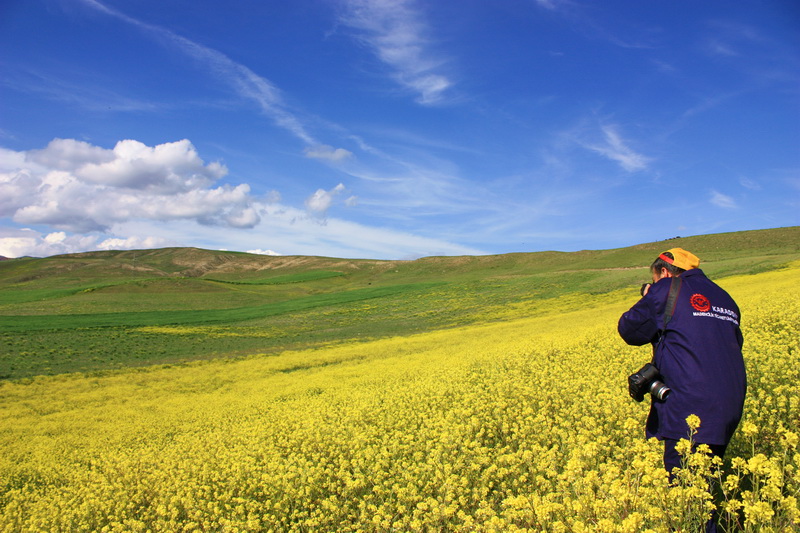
(520, 424)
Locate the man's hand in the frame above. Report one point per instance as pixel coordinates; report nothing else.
(645, 289)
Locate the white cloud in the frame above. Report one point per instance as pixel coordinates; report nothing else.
(396, 33)
(134, 243)
(318, 203)
(28, 242)
(55, 238)
(723, 200)
(263, 252)
(292, 231)
(169, 168)
(615, 148)
(61, 192)
(74, 186)
(289, 230)
(69, 155)
(748, 183)
(17, 190)
(328, 153)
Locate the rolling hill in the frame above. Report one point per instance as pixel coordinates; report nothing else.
(98, 311)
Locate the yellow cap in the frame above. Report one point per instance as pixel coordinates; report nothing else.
(682, 258)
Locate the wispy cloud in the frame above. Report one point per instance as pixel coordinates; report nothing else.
(590, 23)
(723, 200)
(727, 38)
(396, 32)
(553, 5)
(748, 183)
(615, 148)
(719, 48)
(241, 79)
(89, 96)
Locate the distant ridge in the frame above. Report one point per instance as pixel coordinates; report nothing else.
(722, 252)
(110, 309)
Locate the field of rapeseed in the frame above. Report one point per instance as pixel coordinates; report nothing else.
(521, 424)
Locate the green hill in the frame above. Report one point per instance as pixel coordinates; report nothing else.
(97, 311)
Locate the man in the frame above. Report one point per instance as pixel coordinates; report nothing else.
(699, 354)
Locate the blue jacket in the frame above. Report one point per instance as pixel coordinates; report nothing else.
(700, 357)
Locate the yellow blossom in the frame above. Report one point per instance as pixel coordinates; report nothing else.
(467, 429)
(693, 421)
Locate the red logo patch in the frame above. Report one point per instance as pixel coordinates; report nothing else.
(700, 303)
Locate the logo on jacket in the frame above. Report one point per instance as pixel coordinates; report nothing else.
(700, 302)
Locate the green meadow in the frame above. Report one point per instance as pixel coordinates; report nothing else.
(101, 311)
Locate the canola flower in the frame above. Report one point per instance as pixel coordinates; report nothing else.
(519, 425)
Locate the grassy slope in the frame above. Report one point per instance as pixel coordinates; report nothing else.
(102, 310)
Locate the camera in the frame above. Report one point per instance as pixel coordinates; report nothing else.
(646, 380)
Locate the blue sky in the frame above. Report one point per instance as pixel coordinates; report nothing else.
(394, 129)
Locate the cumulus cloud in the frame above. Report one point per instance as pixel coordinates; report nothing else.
(168, 168)
(68, 155)
(722, 200)
(74, 186)
(396, 32)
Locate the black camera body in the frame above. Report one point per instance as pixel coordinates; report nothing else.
(647, 380)
(644, 286)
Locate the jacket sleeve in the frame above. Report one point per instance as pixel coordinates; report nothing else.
(739, 335)
(638, 326)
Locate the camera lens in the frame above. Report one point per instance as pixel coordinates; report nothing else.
(659, 391)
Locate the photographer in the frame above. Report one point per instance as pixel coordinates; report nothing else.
(697, 354)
